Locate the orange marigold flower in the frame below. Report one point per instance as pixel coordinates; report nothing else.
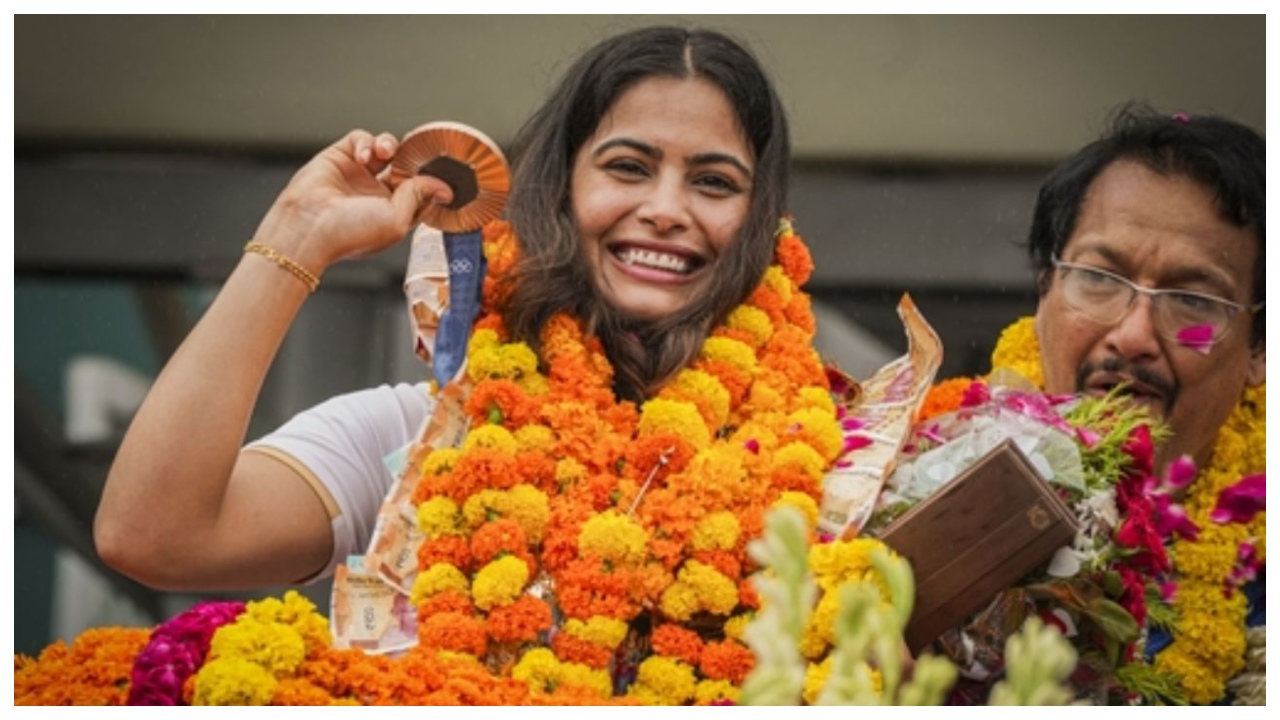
(502, 402)
(943, 398)
(454, 631)
(521, 621)
(448, 601)
(724, 561)
(447, 549)
(678, 642)
(799, 313)
(794, 258)
(734, 380)
(479, 469)
(497, 537)
(726, 660)
(571, 649)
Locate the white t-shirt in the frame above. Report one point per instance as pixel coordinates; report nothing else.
(339, 447)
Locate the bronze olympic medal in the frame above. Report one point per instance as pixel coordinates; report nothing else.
(468, 161)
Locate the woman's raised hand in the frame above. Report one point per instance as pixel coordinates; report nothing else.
(342, 203)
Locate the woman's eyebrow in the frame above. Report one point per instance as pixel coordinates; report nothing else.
(640, 147)
(712, 158)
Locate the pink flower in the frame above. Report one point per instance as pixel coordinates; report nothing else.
(752, 446)
(976, 394)
(1246, 569)
(855, 442)
(1197, 337)
(176, 651)
(1139, 447)
(1240, 502)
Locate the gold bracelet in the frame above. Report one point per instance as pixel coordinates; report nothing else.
(303, 274)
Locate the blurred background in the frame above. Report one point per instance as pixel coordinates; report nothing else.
(147, 149)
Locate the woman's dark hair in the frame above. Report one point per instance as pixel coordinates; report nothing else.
(552, 272)
(1222, 155)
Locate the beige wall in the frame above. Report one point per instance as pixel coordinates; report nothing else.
(924, 88)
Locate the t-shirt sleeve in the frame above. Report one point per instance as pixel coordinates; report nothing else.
(338, 447)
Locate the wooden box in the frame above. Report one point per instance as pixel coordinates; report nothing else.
(977, 535)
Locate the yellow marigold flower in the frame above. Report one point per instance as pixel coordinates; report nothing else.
(819, 428)
(699, 587)
(277, 647)
(1019, 350)
(440, 461)
(736, 625)
(776, 280)
(717, 531)
(812, 396)
(233, 681)
(717, 472)
(702, 389)
(529, 507)
(494, 437)
(836, 563)
(815, 678)
(679, 601)
(510, 361)
(535, 437)
(484, 506)
(570, 471)
(296, 611)
(676, 417)
(763, 398)
(823, 620)
(801, 456)
(599, 630)
(801, 502)
(760, 435)
(579, 674)
(752, 321)
(730, 351)
(439, 516)
(539, 668)
(500, 582)
(812, 644)
(614, 537)
(436, 579)
(711, 691)
(672, 681)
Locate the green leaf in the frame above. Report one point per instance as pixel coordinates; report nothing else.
(1114, 621)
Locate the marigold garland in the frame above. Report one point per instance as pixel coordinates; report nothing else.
(578, 550)
(1209, 636)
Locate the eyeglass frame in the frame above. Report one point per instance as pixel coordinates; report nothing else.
(1154, 293)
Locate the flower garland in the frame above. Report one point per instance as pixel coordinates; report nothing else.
(93, 670)
(176, 650)
(1208, 644)
(569, 522)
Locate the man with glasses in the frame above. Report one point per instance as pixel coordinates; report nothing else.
(1150, 245)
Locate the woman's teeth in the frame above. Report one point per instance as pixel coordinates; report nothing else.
(652, 259)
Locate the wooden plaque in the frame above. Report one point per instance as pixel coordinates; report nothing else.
(977, 535)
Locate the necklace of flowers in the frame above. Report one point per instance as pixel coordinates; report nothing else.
(1209, 633)
(568, 519)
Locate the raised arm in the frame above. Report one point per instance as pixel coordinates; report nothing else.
(182, 507)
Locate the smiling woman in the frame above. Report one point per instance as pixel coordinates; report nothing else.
(659, 194)
(646, 198)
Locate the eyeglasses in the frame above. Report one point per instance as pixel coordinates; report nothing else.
(1105, 298)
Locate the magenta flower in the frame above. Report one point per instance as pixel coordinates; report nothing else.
(1246, 568)
(976, 394)
(855, 442)
(176, 651)
(752, 446)
(1197, 337)
(1240, 502)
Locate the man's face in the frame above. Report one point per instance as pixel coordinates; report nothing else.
(1159, 232)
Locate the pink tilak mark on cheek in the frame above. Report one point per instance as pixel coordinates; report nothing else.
(1197, 337)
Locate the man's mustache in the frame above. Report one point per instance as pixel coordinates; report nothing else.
(1167, 388)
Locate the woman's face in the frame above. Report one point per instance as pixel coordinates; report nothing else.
(659, 193)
